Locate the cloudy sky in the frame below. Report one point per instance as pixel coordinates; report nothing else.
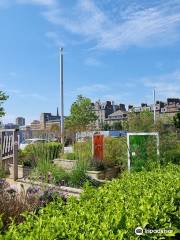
(113, 50)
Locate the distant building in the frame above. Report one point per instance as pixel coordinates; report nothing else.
(20, 121)
(104, 109)
(10, 126)
(168, 108)
(116, 117)
(35, 125)
(47, 120)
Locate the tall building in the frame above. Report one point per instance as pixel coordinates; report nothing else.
(104, 109)
(20, 121)
(35, 125)
(47, 119)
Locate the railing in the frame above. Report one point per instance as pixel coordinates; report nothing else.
(9, 149)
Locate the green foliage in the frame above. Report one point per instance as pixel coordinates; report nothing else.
(169, 147)
(140, 122)
(43, 154)
(176, 120)
(46, 171)
(117, 126)
(106, 127)
(145, 149)
(82, 114)
(3, 97)
(115, 151)
(33, 152)
(2, 173)
(146, 199)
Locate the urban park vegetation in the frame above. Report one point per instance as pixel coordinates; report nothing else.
(3, 97)
(145, 199)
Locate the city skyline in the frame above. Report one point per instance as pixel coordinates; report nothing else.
(117, 107)
(131, 49)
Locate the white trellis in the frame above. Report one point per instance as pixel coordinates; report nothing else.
(156, 134)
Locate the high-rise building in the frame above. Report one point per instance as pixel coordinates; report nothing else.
(47, 119)
(20, 121)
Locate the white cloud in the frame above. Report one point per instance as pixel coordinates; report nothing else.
(91, 89)
(166, 85)
(117, 26)
(19, 93)
(136, 27)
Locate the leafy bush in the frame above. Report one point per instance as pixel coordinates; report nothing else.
(30, 155)
(115, 153)
(146, 199)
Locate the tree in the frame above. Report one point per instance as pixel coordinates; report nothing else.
(176, 120)
(82, 115)
(140, 122)
(117, 126)
(3, 97)
(106, 127)
(55, 129)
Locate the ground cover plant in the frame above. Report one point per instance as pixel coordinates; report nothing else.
(146, 199)
(14, 202)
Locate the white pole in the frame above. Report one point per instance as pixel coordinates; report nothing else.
(128, 152)
(62, 95)
(154, 99)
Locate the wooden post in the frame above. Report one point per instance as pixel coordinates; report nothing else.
(15, 155)
(1, 165)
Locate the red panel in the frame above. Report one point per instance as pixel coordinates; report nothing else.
(98, 147)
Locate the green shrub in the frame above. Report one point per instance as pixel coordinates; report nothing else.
(2, 173)
(43, 154)
(115, 151)
(70, 156)
(146, 199)
(32, 152)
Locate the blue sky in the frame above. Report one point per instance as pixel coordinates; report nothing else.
(114, 50)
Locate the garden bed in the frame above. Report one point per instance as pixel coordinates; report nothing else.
(108, 173)
(68, 191)
(23, 171)
(65, 163)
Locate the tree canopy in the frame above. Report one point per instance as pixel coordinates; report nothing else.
(81, 114)
(3, 97)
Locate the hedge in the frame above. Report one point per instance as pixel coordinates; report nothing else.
(145, 199)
